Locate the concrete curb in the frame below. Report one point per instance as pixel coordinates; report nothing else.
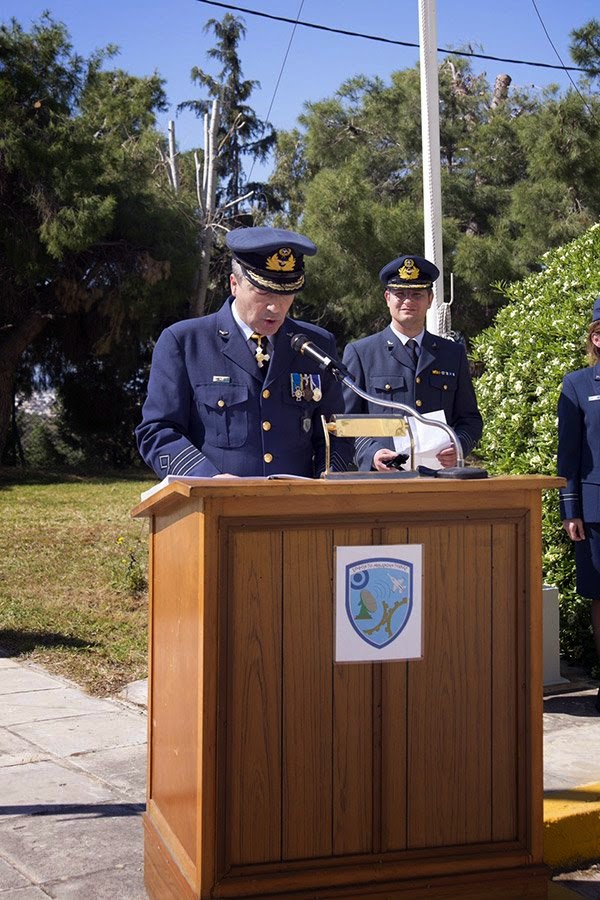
(136, 692)
(572, 825)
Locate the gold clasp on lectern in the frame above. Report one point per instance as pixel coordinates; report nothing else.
(357, 426)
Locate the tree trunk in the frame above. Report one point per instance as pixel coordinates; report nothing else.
(501, 87)
(173, 166)
(14, 340)
(209, 192)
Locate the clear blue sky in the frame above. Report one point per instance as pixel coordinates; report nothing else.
(167, 36)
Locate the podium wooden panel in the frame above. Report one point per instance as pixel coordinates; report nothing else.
(276, 773)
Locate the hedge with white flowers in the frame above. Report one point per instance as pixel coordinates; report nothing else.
(536, 338)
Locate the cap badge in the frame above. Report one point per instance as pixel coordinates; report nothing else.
(409, 270)
(283, 260)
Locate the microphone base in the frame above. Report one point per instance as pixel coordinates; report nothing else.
(461, 472)
(458, 473)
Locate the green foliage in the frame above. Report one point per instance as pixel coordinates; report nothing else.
(93, 248)
(43, 446)
(355, 236)
(535, 340)
(72, 228)
(96, 405)
(241, 133)
(519, 176)
(585, 48)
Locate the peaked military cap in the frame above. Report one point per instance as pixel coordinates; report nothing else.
(409, 272)
(596, 313)
(271, 258)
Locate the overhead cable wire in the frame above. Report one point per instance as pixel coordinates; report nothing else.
(279, 77)
(551, 42)
(287, 52)
(565, 68)
(385, 40)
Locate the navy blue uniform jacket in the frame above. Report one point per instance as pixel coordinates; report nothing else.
(383, 368)
(208, 410)
(579, 444)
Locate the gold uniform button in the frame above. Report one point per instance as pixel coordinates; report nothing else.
(221, 403)
(419, 403)
(388, 387)
(418, 379)
(445, 387)
(266, 394)
(266, 426)
(268, 457)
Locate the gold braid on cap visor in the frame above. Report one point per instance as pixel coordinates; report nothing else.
(288, 286)
(397, 286)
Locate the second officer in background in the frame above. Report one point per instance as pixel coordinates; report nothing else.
(406, 364)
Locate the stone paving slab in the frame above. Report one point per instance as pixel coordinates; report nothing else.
(122, 767)
(7, 663)
(11, 878)
(136, 692)
(29, 789)
(15, 679)
(26, 893)
(571, 777)
(101, 730)
(124, 883)
(564, 769)
(15, 750)
(72, 784)
(76, 841)
(21, 707)
(569, 709)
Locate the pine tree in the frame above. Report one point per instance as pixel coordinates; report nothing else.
(241, 134)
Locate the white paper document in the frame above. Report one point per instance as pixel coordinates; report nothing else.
(428, 439)
(168, 479)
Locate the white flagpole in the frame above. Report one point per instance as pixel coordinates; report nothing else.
(432, 180)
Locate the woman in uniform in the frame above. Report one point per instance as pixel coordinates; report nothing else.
(579, 464)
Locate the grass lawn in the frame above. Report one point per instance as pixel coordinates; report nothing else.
(72, 575)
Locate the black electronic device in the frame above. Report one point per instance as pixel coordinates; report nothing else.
(398, 461)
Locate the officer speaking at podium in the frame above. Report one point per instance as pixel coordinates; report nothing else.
(227, 395)
(406, 364)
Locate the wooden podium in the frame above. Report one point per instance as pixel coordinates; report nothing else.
(275, 772)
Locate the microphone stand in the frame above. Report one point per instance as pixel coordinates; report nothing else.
(301, 344)
(408, 411)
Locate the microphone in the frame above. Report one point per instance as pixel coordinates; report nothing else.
(301, 344)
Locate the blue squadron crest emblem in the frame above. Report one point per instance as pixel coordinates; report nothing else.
(379, 598)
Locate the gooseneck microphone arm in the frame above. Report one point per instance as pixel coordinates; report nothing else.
(409, 411)
(301, 344)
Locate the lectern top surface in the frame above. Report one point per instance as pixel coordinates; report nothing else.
(359, 486)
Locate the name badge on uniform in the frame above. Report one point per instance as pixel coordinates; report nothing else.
(594, 397)
(305, 386)
(221, 379)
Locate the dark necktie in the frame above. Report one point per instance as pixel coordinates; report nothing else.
(261, 354)
(413, 349)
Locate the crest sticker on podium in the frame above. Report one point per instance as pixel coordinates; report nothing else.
(378, 603)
